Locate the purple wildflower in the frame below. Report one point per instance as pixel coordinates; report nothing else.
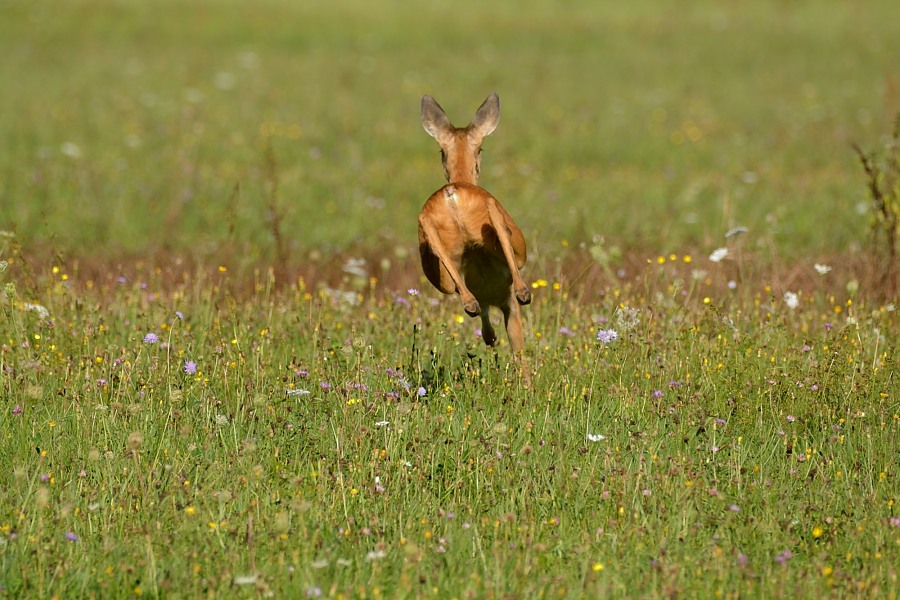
(151, 338)
(566, 331)
(607, 336)
(17, 409)
(791, 418)
(784, 557)
(190, 367)
(71, 536)
(658, 393)
(421, 392)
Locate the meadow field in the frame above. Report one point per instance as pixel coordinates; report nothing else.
(222, 373)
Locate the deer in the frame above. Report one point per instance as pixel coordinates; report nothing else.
(468, 243)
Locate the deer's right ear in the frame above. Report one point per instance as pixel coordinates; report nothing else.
(434, 120)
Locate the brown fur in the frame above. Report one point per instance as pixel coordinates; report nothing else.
(468, 243)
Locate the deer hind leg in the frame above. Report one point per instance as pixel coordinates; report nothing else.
(487, 329)
(448, 266)
(498, 222)
(512, 316)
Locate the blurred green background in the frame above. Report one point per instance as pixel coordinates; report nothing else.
(133, 127)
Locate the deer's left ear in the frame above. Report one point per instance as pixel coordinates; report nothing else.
(488, 115)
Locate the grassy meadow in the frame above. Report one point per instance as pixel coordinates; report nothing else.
(222, 373)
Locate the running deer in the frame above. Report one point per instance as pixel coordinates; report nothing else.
(468, 243)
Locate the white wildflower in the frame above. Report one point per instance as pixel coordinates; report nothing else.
(792, 300)
(718, 254)
(821, 269)
(595, 437)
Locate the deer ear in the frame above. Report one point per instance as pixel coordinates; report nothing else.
(434, 120)
(488, 115)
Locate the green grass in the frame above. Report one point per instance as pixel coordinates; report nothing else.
(301, 457)
(153, 154)
(642, 119)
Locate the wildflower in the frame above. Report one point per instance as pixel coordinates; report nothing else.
(894, 521)
(151, 338)
(356, 266)
(734, 508)
(190, 367)
(421, 392)
(566, 331)
(784, 557)
(791, 418)
(718, 254)
(375, 555)
(382, 423)
(298, 392)
(221, 419)
(597, 567)
(607, 336)
(595, 437)
(739, 230)
(658, 393)
(412, 292)
(821, 269)
(313, 592)
(135, 439)
(792, 300)
(71, 536)
(817, 532)
(42, 311)
(743, 560)
(627, 317)
(70, 149)
(17, 409)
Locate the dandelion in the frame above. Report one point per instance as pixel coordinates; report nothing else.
(607, 336)
(792, 300)
(135, 439)
(817, 532)
(595, 437)
(821, 269)
(597, 567)
(718, 254)
(151, 338)
(190, 367)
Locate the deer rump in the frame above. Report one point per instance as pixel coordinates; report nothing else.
(460, 214)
